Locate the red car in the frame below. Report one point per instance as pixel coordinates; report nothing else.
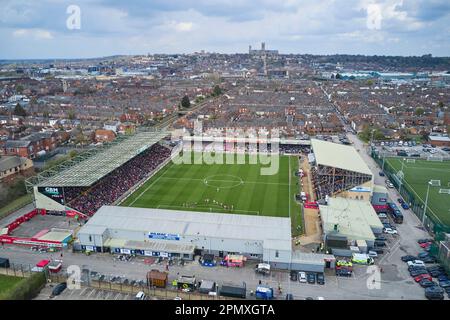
(424, 245)
(422, 276)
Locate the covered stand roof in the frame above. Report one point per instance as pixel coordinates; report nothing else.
(90, 170)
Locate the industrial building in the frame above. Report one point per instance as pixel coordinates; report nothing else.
(172, 233)
(354, 221)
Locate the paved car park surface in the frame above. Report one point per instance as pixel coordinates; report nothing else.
(84, 293)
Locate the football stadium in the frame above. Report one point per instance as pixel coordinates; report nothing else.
(421, 176)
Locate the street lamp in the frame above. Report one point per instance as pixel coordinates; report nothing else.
(426, 202)
(402, 177)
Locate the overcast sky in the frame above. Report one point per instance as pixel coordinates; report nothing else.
(82, 28)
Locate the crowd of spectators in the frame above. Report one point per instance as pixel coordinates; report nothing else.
(114, 185)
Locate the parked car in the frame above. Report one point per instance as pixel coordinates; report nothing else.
(436, 273)
(434, 293)
(343, 272)
(381, 238)
(411, 268)
(381, 173)
(311, 278)
(379, 243)
(59, 288)
(378, 250)
(424, 240)
(294, 275)
(372, 254)
(400, 200)
(140, 296)
(444, 284)
(425, 283)
(320, 278)
(423, 255)
(289, 296)
(390, 231)
(405, 206)
(416, 263)
(408, 258)
(443, 277)
(416, 273)
(425, 245)
(429, 259)
(302, 276)
(382, 215)
(422, 276)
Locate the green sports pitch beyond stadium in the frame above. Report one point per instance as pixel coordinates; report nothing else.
(224, 188)
(417, 173)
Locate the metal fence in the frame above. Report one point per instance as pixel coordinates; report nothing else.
(434, 227)
(159, 293)
(17, 270)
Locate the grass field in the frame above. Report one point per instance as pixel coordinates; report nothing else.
(225, 188)
(416, 176)
(7, 282)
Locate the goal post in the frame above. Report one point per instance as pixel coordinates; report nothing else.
(435, 183)
(410, 160)
(435, 158)
(444, 191)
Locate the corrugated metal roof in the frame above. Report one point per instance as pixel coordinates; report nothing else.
(355, 218)
(188, 223)
(339, 156)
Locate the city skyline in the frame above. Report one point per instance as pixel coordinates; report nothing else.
(88, 29)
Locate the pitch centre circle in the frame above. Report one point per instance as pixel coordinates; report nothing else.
(223, 181)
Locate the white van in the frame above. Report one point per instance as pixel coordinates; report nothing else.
(140, 296)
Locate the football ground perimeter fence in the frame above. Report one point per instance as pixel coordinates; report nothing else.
(430, 223)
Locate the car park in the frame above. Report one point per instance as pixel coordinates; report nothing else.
(311, 278)
(302, 277)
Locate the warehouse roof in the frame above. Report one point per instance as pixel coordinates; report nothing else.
(92, 169)
(354, 218)
(188, 223)
(339, 156)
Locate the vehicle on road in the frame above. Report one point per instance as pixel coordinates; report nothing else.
(140, 296)
(424, 240)
(405, 206)
(381, 173)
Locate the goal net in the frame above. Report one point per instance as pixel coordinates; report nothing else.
(410, 160)
(444, 191)
(435, 158)
(435, 183)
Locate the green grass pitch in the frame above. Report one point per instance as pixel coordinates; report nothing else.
(416, 176)
(224, 188)
(8, 282)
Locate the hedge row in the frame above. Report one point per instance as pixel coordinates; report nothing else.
(26, 289)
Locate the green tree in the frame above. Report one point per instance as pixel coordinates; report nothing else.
(370, 82)
(217, 91)
(71, 115)
(19, 88)
(19, 110)
(338, 76)
(185, 102)
(419, 111)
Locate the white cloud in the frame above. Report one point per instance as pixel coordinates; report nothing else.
(39, 34)
(183, 26)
